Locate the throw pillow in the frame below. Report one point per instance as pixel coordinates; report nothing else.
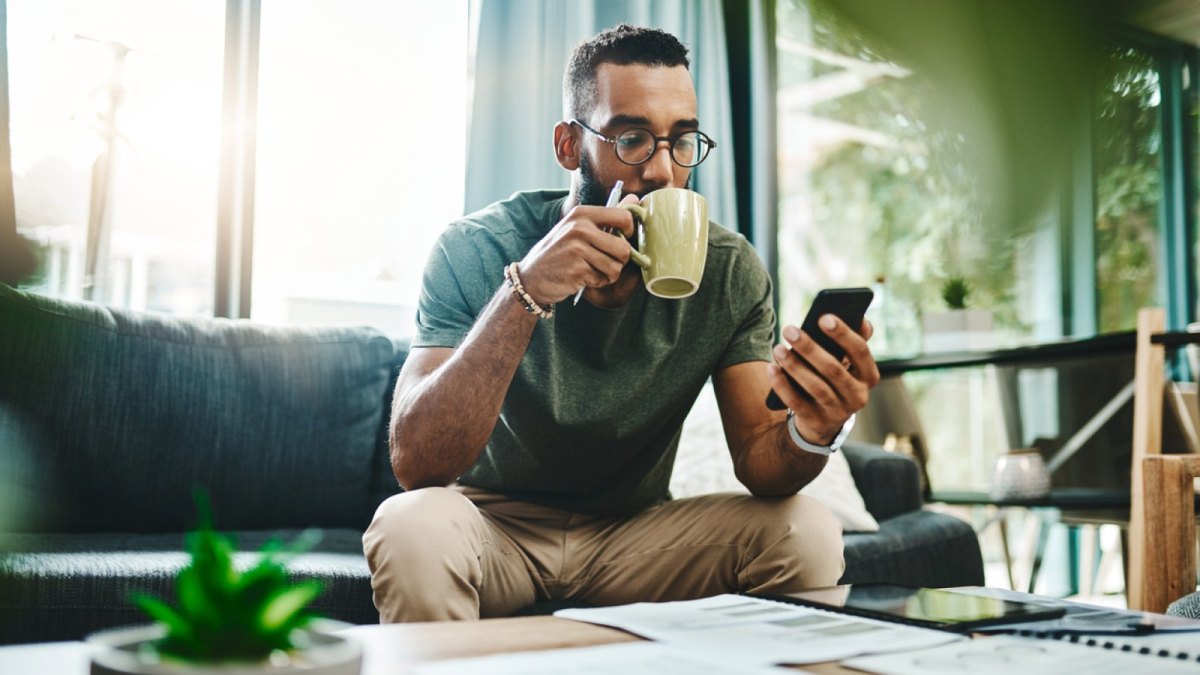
(703, 466)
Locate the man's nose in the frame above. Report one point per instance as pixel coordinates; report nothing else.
(659, 169)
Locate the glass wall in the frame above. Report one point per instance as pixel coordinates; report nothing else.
(115, 113)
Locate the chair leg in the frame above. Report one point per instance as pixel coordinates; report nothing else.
(1039, 552)
(1008, 562)
(1087, 559)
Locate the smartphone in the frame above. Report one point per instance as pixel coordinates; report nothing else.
(848, 304)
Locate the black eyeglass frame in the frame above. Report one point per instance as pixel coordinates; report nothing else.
(671, 141)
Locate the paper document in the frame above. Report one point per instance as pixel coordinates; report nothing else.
(629, 658)
(753, 631)
(1005, 655)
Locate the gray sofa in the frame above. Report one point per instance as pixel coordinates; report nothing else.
(111, 419)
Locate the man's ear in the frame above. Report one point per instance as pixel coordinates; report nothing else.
(566, 146)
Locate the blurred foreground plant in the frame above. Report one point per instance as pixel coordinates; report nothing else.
(226, 615)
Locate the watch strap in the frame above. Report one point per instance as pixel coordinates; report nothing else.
(814, 448)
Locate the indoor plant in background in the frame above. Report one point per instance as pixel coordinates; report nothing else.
(230, 622)
(958, 328)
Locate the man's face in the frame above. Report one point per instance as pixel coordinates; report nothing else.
(662, 100)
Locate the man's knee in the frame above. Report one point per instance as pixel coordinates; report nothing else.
(423, 550)
(420, 520)
(804, 535)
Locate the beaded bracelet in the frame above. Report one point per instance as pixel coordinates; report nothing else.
(514, 282)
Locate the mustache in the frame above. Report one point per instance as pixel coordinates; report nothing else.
(641, 194)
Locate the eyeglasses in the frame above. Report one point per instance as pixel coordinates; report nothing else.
(636, 146)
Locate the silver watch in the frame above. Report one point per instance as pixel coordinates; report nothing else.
(826, 450)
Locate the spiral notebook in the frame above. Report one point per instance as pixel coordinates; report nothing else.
(1162, 654)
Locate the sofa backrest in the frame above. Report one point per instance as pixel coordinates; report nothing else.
(280, 425)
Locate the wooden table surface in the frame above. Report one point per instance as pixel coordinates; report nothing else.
(394, 649)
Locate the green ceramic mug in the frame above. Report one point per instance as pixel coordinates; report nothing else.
(672, 241)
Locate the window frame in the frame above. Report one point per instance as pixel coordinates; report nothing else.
(236, 177)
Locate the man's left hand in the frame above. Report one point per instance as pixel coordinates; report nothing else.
(836, 389)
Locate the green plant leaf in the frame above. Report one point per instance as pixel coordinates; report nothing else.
(177, 626)
(194, 599)
(305, 541)
(223, 614)
(954, 292)
(284, 606)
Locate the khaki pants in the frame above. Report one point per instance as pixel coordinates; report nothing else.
(466, 553)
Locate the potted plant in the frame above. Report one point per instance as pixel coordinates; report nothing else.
(230, 622)
(958, 328)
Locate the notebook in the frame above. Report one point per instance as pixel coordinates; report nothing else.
(1006, 654)
(936, 608)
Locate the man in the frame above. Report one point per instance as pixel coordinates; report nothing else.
(555, 425)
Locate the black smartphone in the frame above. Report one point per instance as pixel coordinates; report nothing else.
(848, 304)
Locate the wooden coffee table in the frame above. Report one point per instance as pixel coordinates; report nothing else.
(395, 649)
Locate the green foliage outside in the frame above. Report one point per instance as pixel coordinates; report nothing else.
(907, 211)
(222, 614)
(1127, 145)
(904, 204)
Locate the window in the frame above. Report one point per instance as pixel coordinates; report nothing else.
(361, 157)
(360, 152)
(1127, 143)
(876, 189)
(115, 115)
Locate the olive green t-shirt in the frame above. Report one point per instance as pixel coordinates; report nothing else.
(591, 420)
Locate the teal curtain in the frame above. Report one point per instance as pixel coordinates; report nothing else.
(521, 50)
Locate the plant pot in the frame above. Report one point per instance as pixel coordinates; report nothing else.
(125, 651)
(957, 330)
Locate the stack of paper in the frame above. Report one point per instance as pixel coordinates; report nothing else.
(752, 631)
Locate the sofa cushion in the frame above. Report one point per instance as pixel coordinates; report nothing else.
(62, 587)
(889, 482)
(919, 548)
(137, 410)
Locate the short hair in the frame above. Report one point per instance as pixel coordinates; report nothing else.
(620, 45)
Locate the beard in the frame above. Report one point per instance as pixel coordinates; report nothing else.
(591, 191)
(594, 193)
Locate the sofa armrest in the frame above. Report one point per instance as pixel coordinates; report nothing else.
(889, 482)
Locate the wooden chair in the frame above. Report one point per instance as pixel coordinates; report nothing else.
(1162, 527)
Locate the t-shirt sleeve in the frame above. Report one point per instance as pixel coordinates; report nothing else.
(753, 311)
(445, 313)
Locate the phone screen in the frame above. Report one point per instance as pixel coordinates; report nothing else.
(848, 304)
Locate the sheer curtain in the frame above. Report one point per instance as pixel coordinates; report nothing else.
(521, 50)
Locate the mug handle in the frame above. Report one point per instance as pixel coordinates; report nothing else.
(639, 217)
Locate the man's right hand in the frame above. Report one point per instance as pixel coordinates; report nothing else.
(578, 252)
